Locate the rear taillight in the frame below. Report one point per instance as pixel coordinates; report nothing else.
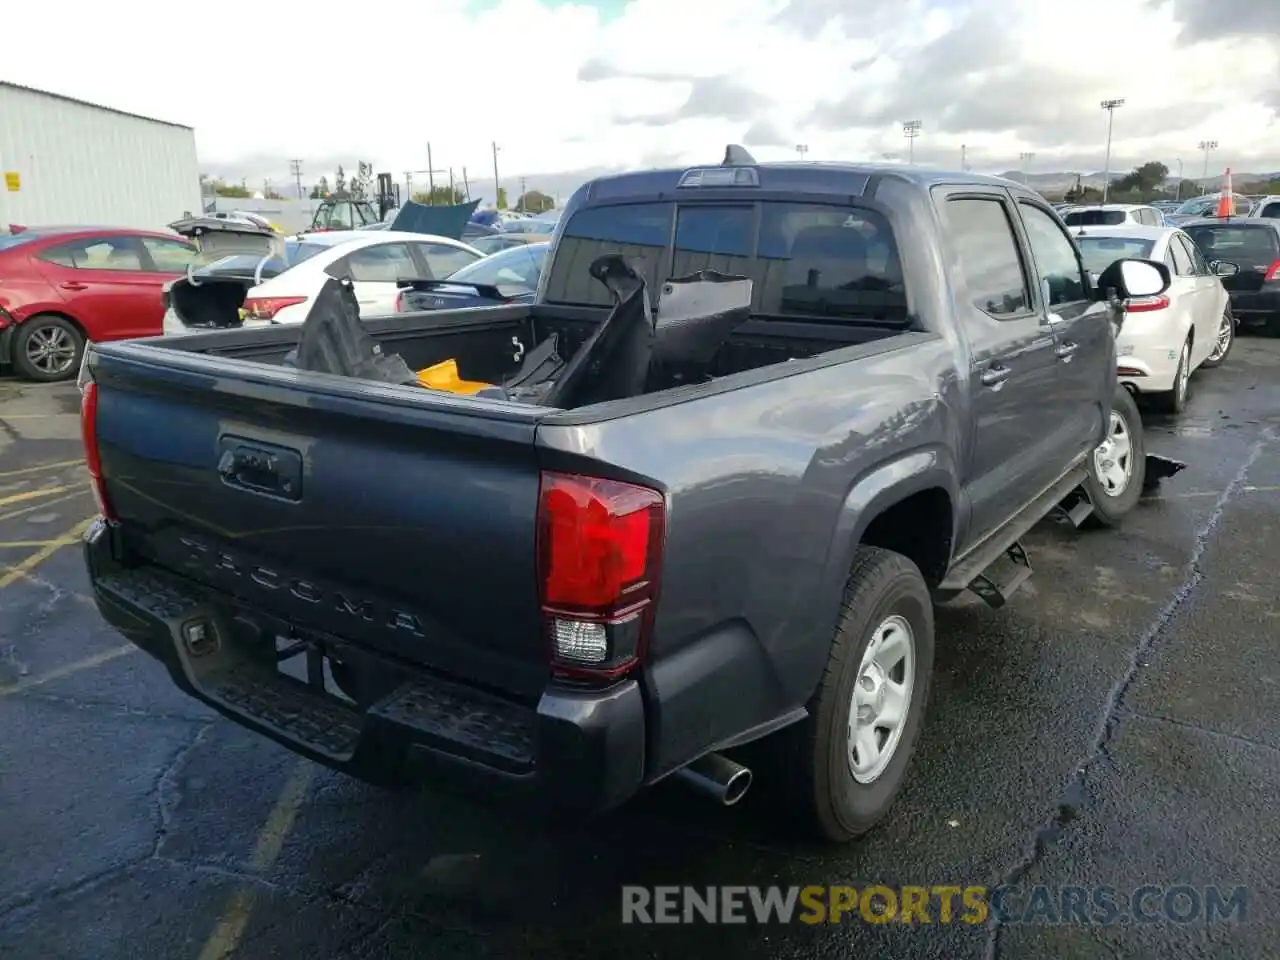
(599, 556)
(265, 308)
(92, 460)
(1146, 304)
(1273, 273)
(400, 302)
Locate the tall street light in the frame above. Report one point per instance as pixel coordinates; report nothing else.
(1025, 159)
(1206, 146)
(1178, 161)
(911, 130)
(1110, 107)
(802, 149)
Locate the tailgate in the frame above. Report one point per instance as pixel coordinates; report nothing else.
(402, 524)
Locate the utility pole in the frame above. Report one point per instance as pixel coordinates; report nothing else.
(1206, 146)
(911, 130)
(497, 187)
(431, 175)
(295, 167)
(408, 185)
(466, 184)
(1110, 107)
(1178, 195)
(520, 202)
(802, 149)
(453, 193)
(1025, 159)
(964, 158)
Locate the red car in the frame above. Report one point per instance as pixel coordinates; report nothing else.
(61, 286)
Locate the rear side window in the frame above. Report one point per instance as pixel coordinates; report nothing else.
(1249, 245)
(982, 237)
(97, 253)
(1182, 264)
(1094, 218)
(1271, 210)
(639, 231)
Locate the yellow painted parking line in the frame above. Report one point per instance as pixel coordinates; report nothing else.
(15, 572)
(29, 495)
(57, 673)
(44, 504)
(43, 466)
(17, 544)
(36, 416)
(235, 915)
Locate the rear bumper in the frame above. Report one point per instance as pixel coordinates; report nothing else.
(573, 750)
(1255, 306)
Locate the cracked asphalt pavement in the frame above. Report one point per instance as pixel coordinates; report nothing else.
(1118, 724)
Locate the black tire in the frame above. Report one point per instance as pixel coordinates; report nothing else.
(1229, 320)
(1175, 401)
(1110, 507)
(818, 778)
(63, 366)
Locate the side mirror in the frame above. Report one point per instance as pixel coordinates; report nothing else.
(1222, 268)
(1130, 277)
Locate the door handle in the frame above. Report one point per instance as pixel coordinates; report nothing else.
(74, 285)
(1065, 351)
(994, 376)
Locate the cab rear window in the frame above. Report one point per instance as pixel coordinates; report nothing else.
(806, 260)
(1094, 218)
(1238, 243)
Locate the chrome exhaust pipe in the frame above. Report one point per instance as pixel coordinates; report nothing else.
(718, 777)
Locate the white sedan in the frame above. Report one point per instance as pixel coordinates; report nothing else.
(372, 260)
(1167, 338)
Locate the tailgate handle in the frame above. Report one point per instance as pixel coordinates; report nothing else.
(261, 468)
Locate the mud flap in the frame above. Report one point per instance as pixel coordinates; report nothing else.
(1160, 468)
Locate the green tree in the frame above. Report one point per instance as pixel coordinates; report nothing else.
(1141, 183)
(321, 189)
(220, 188)
(535, 201)
(502, 199)
(439, 196)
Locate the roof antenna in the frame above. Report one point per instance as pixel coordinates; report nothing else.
(736, 156)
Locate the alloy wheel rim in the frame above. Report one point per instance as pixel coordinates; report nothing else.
(51, 349)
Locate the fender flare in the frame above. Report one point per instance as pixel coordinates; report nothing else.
(871, 494)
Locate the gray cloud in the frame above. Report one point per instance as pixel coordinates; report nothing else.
(764, 133)
(868, 18)
(1215, 19)
(721, 98)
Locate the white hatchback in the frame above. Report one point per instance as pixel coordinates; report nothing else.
(372, 260)
(1165, 339)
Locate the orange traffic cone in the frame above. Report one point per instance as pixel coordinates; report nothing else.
(1226, 199)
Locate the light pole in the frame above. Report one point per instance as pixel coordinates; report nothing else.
(497, 187)
(1110, 107)
(1025, 159)
(911, 130)
(802, 149)
(1178, 195)
(964, 157)
(1206, 146)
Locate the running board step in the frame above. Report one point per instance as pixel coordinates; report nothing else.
(996, 546)
(1077, 507)
(996, 593)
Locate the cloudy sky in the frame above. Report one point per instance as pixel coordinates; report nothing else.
(577, 86)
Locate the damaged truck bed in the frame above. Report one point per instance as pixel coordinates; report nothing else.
(575, 584)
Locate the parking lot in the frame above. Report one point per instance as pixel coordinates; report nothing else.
(1117, 725)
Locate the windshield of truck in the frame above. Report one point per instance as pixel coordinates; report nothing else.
(808, 260)
(1197, 206)
(295, 252)
(1094, 218)
(1244, 244)
(1100, 252)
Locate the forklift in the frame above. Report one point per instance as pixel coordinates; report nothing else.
(345, 211)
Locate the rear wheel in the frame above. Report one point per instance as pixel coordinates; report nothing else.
(48, 348)
(846, 762)
(1226, 337)
(1175, 400)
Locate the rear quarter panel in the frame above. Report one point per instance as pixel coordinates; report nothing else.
(769, 488)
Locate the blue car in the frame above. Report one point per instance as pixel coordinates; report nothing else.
(510, 276)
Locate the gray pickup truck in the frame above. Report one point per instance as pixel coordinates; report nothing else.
(563, 605)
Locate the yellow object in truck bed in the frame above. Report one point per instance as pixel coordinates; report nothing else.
(444, 376)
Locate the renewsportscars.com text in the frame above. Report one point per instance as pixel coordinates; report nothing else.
(943, 904)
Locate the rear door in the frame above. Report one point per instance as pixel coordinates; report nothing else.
(1210, 298)
(106, 286)
(1084, 344)
(1019, 433)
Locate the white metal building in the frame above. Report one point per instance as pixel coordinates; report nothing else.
(64, 161)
